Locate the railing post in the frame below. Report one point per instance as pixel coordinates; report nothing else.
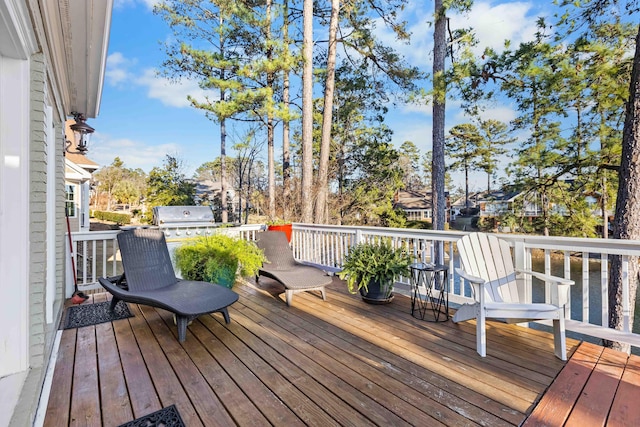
(520, 259)
(69, 285)
(358, 238)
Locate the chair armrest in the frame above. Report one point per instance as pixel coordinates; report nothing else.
(477, 284)
(560, 290)
(469, 277)
(547, 277)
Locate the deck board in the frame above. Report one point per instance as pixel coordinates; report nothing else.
(347, 350)
(60, 398)
(339, 362)
(113, 387)
(142, 394)
(625, 410)
(340, 380)
(85, 395)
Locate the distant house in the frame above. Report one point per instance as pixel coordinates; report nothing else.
(77, 180)
(496, 203)
(417, 205)
(207, 191)
(459, 204)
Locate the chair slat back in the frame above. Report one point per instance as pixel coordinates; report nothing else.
(486, 256)
(145, 259)
(276, 248)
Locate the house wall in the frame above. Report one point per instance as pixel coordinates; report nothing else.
(41, 333)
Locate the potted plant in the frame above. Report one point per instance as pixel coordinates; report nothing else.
(218, 259)
(280, 225)
(372, 268)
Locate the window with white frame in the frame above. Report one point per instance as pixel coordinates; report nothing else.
(70, 200)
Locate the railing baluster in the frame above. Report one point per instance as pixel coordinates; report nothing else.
(585, 287)
(604, 289)
(547, 270)
(626, 313)
(567, 275)
(94, 260)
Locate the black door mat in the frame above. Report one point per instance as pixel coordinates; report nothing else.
(165, 417)
(91, 314)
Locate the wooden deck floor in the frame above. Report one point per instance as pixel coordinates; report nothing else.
(339, 362)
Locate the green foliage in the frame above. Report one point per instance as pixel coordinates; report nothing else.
(118, 218)
(277, 221)
(168, 186)
(410, 164)
(121, 184)
(374, 261)
(216, 259)
(374, 177)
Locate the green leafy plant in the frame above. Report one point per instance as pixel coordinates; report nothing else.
(374, 261)
(218, 258)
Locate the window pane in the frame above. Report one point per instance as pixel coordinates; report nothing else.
(70, 205)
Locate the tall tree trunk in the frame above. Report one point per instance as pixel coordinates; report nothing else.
(223, 143)
(603, 207)
(286, 170)
(627, 220)
(604, 191)
(466, 188)
(306, 198)
(270, 134)
(439, 85)
(327, 116)
(223, 166)
(240, 168)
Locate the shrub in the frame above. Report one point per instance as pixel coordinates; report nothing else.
(118, 218)
(218, 258)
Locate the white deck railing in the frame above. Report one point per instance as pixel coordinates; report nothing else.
(96, 254)
(325, 246)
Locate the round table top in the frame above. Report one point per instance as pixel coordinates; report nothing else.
(423, 266)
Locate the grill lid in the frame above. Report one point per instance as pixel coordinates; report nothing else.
(166, 215)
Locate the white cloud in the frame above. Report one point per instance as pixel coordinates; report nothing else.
(173, 94)
(419, 133)
(493, 24)
(503, 114)
(151, 3)
(169, 93)
(134, 154)
(120, 4)
(425, 108)
(117, 70)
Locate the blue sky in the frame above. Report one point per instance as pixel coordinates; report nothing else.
(143, 117)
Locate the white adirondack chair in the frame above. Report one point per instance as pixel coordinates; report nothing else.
(487, 264)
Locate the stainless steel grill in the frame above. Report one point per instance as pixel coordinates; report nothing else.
(183, 216)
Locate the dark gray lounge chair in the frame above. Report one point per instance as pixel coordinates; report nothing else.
(149, 279)
(281, 266)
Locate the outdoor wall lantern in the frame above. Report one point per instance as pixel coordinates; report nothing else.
(81, 134)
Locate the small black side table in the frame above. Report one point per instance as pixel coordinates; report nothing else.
(431, 278)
